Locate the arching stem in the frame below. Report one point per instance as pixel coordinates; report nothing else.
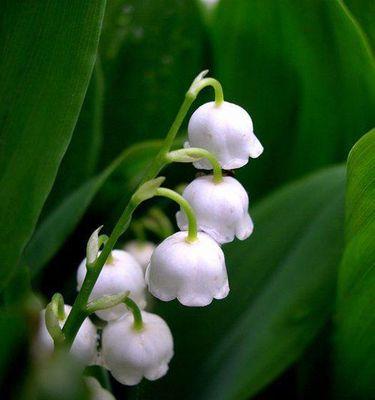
(193, 154)
(137, 313)
(188, 210)
(105, 302)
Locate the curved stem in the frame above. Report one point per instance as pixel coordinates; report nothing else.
(188, 101)
(108, 301)
(219, 94)
(137, 314)
(185, 205)
(195, 153)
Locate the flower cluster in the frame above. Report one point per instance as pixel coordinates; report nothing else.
(194, 271)
(188, 265)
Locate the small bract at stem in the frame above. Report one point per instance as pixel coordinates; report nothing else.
(192, 220)
(57, 304)
(53, 325)
(194, 154)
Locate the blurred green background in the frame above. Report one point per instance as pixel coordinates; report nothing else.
(87, 92)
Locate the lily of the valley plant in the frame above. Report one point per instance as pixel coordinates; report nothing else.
(189, 265)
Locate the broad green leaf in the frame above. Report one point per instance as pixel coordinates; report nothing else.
(47, 56)
(305, 73)
(147, 74)
(282, 283)
(364, 11)
(80, 160)
(60, 223)
(355, 322)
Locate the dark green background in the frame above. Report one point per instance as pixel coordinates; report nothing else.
(87, 92)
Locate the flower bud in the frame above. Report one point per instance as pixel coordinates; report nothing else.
(221, 208)
(121, 273)
(132, 354)
(84, 345)
(226, 130)
(192, 272)
(141, 251)
(97, 392)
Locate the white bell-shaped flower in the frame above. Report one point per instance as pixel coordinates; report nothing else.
(193, 272)
(84, 345)
(132, 354)
(226, 130)
(120, 274)
(97, 392)
(221, 208)
(141, 251)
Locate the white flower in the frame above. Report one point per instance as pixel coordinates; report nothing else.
(97, 392)
(132, 354)
(221, 208)
(141, 251)
(84, 345)
(120, 274)
(226, 130)
(194, 273)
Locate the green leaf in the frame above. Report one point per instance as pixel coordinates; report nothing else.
(305, 73)
(282, 282)
(53, 231)
(147, 74)
(355, 322)
(80, 160)
(48, 53)
(364, 11)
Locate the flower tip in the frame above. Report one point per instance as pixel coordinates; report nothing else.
(255, 147)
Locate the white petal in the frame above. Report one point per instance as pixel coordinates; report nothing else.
(141, 251)
(245, 228)
(131, 355)
(194, 273)
(221, 208)
(124, 274)
(84, 345)
(226, 131)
